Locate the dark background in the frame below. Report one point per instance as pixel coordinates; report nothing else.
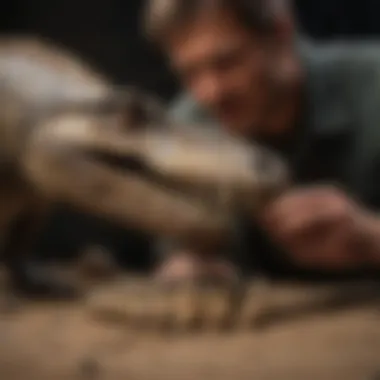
(106, 33)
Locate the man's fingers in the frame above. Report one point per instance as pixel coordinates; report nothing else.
(305, 199)
(315, 227)
(302, 221)
(332, 247)
(298, 214)
(326, 256)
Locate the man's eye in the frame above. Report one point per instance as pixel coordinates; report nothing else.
(226, 62)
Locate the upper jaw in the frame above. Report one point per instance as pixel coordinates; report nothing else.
(179, 167)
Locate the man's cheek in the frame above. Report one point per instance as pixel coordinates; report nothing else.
(246, 107)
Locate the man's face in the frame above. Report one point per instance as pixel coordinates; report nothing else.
(225, 68)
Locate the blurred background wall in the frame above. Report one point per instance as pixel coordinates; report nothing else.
(106, 33)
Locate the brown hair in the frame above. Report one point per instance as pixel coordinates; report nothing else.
(164, 16)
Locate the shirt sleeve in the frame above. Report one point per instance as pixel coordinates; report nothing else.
(364, 167)
(372, 198)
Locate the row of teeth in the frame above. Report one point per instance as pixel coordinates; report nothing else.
(220, 306)
(181, 308)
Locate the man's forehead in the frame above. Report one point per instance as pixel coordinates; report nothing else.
(206, 37)
(203, 51)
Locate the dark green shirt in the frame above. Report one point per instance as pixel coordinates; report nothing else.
(339, 134)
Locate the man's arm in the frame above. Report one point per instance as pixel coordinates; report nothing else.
(372, 233)
(372, 219)
(365, 94)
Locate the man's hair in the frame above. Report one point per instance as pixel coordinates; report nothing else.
(162, 17)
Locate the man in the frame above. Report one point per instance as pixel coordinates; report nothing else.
(243, 65)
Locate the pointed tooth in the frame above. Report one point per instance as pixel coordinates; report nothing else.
(254, 303)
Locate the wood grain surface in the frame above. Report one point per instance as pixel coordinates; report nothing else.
(62, 341)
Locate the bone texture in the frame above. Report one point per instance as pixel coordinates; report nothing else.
(55, 110)
(47, 95)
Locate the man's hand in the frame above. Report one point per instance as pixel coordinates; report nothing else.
(321, 227)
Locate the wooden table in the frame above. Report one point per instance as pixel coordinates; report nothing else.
(61, 342)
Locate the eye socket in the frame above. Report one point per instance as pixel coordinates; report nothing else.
(135, 114)
(133, 109)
